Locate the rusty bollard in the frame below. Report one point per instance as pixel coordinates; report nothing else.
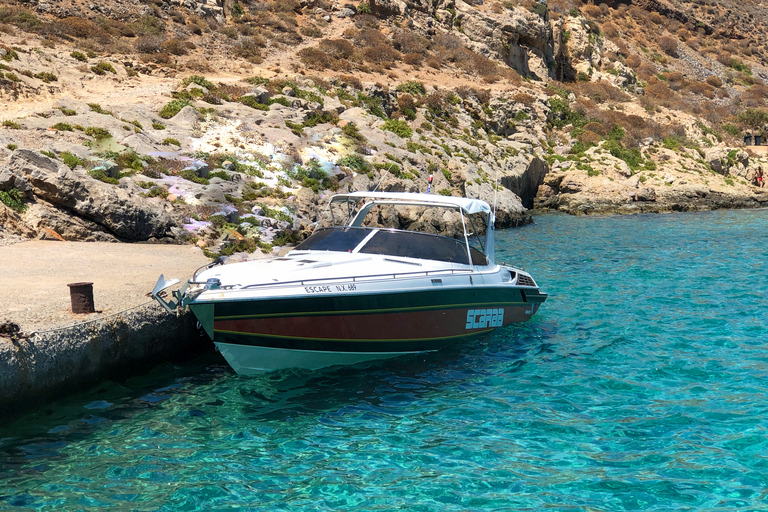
(81, 295)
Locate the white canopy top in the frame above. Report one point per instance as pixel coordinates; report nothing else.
(468, 205)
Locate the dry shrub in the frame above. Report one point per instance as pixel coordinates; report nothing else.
(382, 55)
(413, 59)
(668, 45)
(249, 48)
(755, 96)
(78, 27)
(595, 127)
(601, 91)
(524, 98)
(150, 44)
(311, 31)
(634, 61)
(370, 37)
(448, 41)
(157, 58)
(683, 34)
(229, 31)
(314, 58)
(336, 48)
(408, 42)
(714, 81)
(702, 89)
(592, 11)
(610, 30)
(646, 70)
(198, 64)
(512, 76)
(482, 96)
(406, 101)
(175, 47)
(658, 89)
(366, 21)
(7, 29)
(657, 18)
(434, 63)
(725, 58)
(437, 103)
(676, 80)
(285, 6)
(288, 18)
(589, 137)
(232, 91)
(352, 81)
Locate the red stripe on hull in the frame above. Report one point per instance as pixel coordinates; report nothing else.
(408, 325)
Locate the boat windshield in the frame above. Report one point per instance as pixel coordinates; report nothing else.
(391, 242)
(334, 239)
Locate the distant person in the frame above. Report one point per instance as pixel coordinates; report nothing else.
(759, 178)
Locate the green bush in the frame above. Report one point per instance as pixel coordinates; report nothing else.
(95, 107)
(252, 102)
(280, 101)
(157, 126)
(169, 141)
(103, 67)
(97, 133)
(13, 199)
(63, 127)
(753, 118)
(444, 192)
(79, 56)
(172, 108)
(68, 111)
(13, 125)
(100, 175)
(70, 160)
(412, 87)
(49, 154)
(46, 77)
(198, 80)
(354, 162)
(189, 174)
(632, 156)
(158, 192)
(398, 127)
(12, 147)
(12, 77)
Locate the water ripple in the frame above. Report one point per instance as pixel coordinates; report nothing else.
(640, 385)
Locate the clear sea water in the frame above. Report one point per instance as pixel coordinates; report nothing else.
(642, 384)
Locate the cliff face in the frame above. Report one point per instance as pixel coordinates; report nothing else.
(226, 123)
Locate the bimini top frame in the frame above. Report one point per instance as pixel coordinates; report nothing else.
(464, 205)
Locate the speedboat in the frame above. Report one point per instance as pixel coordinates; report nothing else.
(362, 289)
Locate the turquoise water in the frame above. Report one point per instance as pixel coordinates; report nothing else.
(640, 385)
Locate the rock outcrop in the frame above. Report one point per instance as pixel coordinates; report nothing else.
(79, 207)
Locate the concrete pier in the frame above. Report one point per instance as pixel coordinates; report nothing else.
(47, 365)
(55, 351)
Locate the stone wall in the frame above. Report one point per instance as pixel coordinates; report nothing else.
(47, 365)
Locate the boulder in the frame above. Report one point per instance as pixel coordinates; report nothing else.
(645, 194)
(124, 214)
(261, 94)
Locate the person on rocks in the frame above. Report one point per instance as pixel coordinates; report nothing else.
(759, 178)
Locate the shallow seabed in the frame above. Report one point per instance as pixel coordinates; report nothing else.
(642, 384)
